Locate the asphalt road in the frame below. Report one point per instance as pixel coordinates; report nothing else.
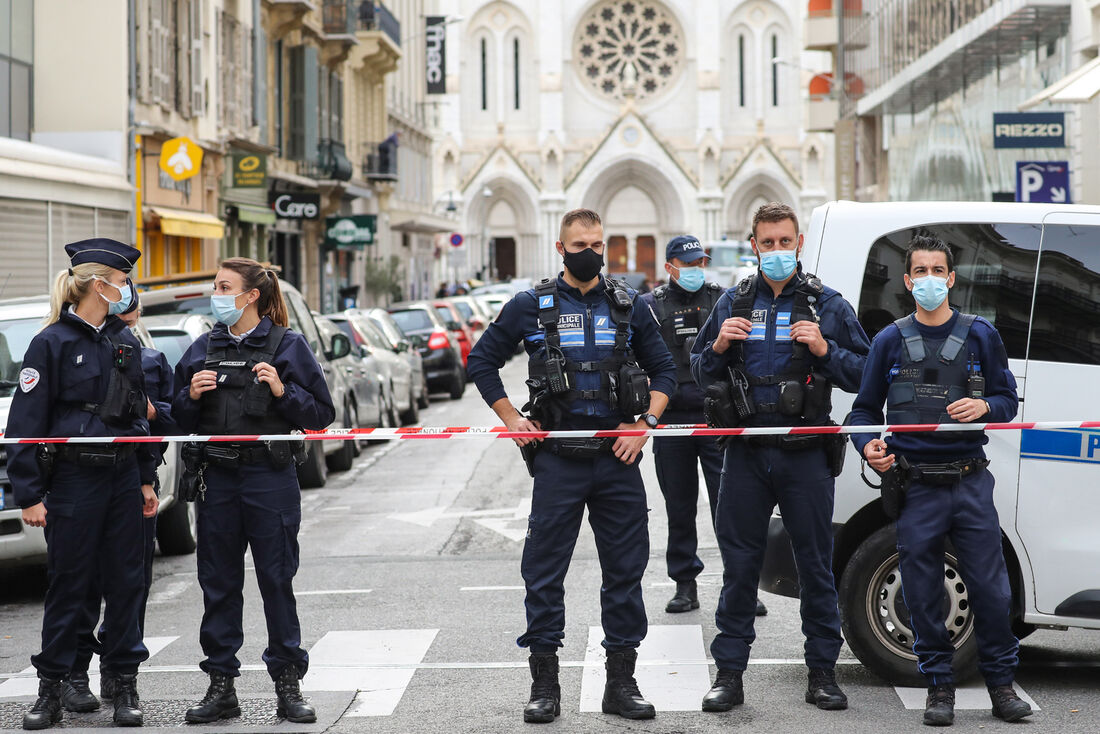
(411, 600)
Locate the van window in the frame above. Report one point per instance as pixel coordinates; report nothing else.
(995, 272)
(1066, 322)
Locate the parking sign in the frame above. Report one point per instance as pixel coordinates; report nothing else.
(1043, 181)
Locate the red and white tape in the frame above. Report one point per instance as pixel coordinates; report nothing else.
(476, 432)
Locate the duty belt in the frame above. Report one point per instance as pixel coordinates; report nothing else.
(946, 473)
(579, 448)
(787, 443)
(232, 455)
(92, 455)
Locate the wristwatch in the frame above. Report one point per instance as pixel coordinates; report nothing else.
(649, 418)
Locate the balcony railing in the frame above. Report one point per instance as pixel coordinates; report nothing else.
(380, 161)
(339, 17)
(377, 17)
(331, 163)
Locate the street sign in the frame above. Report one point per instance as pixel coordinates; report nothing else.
(180, 158)
(350, 232)
(1029, 129)
(456, 240)
(249, 171)
(1043, 181)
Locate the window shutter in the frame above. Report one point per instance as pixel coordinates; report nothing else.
(155, 49)
(244, 48)
(259, 77)
(198, 97)
(144, 53)
(296, 133)
(311, 112)
(220, 55)
(183, 50)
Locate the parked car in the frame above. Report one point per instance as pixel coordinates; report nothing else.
(474, 314)
(20, 320)
(402, 344)
(452, 319)
(1033, 270)
(373, 348)
(363, 390)
(439, 349)
(174, 333)
(195, 299)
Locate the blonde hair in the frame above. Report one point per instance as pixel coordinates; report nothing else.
(71, 285)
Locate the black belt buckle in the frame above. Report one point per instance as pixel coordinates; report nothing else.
(96, 458)
(222, 456)
(580, 448)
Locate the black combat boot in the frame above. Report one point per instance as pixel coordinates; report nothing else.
(108, 684)
(220, 701)
(47, 709)
(292, 706)
(939, 707)
(76, 696)
(726, 692)
(1007, 705)
(686, 598)
(823, 691)
(545, 701)
(127, 705)
(621, 695)
(761, 610)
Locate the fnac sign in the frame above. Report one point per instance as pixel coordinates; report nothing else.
(180, 158)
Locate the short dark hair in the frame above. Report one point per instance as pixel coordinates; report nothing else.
(587, 217)
(928, 243)
(773, 211)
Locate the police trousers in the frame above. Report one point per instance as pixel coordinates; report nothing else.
(754, 480)
(257, 507)
(93, 531)
(675, 458)
(963, 511)
(618, 514)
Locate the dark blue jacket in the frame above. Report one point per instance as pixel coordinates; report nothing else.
(587, 334)
(158, 385)
(768, 349)
(306, 404)
(66, 365)
(1000, 392)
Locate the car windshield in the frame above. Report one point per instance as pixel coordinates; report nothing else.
(464, 309)
(15, 337)
(172, 343)
(445, 314)
(415, 319)
(191, 304)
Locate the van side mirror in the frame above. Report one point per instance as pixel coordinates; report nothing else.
(341, 347)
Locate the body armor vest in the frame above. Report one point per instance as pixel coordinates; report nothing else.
(241, 404)
(681, 321)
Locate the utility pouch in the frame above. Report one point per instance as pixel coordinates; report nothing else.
(528, 453)
(299, 451)
(791, 398)
(816, 402)
(836, 448)
(279, 454)
(718, 407)
(633, 390)
(257, 398)
(119, 406)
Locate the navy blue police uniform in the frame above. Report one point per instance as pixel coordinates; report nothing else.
(917, 371)
(567, 480)
(79, 380)
(760, 472)
(251, 500)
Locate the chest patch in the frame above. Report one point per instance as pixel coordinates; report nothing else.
(79, 359)
(28, 379)
(232, 364)
(570, 321)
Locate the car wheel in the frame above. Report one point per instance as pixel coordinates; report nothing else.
(356, 444)
(314, 472)
(176, 529)
(876, 621)
(345, 456)
(425, 395)
(386, 416)
(411, 416)
(458, 384)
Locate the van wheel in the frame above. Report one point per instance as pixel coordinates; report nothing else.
(876, 621)
(176, 528)
(314, 472)
(345, 456)
(412, 415)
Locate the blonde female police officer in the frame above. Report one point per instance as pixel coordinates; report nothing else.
(250, 375)
(82, 376)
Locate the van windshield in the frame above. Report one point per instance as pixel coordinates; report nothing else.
(727, 256)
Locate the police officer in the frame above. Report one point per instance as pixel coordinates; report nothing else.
(937, 365)
(781, 339)
(82, 376)
(250, 375)
(76, 695)
(591, 347)
(681, 308)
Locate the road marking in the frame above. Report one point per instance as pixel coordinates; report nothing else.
(379, 664)
(673, 672)
(171, 591)
(337, 508)
(492, 588)
(323, 592)
(966, 697)
(25, 682)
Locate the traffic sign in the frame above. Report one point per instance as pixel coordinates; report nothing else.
(1043, 181)
(456, 240)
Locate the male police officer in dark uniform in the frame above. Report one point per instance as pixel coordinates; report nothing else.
(591, 349)
(777, 342)
(941, 366)
(681, 308)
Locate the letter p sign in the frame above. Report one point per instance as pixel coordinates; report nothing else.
(1094, 443)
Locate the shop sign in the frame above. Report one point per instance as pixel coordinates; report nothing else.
(180, 158)
(435, 61)
(350, 232)
(1029, 129)
(295, 206)
(249, 171)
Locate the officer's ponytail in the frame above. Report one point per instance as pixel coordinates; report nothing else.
(70, 286)
(255, 275)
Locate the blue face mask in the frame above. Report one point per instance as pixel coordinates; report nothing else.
(690, 279)
(779, 265)
(225, 309)
(114, 308)
(929, 291)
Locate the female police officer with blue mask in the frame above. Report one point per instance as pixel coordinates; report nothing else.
(81, 376)
(250, 375)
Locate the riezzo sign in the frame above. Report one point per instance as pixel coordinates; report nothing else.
(436, 50)
(1029, 130)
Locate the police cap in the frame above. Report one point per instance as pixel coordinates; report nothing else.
(111, 253)
(685, 247)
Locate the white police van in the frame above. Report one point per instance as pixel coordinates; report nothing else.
(1033, 270)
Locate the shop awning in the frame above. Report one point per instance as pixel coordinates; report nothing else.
(1080, 85)
(420, 223)
(183, 223)
(255, 214)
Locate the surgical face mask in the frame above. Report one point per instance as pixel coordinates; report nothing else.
(779, 264)
(690, 279)
(114, 308)
(929, 291)
(224, 308)
(584, 265)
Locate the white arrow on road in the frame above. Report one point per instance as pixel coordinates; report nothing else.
(429, 516)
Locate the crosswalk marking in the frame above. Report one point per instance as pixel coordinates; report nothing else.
(672, 671)
(26, 684)
(966, 697)
(363, 661)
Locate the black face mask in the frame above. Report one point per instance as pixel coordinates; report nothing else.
(584, 265)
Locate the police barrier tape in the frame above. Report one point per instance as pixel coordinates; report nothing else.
(674, 429)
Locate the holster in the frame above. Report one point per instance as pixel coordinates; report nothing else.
(192, 483)
(528, 453)
(45, 454)
(895, 485)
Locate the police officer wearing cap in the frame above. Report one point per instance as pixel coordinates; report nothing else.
(76, 695)
(596, 361)
(82, 376)
(251, 375)
(681, 308)
(775, 344)
(938, 365)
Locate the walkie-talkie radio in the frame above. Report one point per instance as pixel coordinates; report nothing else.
(975, 382)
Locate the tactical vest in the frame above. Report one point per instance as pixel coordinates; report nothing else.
(122, 404)
(241, 404)
(931, 375)
(681, 322)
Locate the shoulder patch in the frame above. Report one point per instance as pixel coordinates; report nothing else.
(546, 301)
(28, 379)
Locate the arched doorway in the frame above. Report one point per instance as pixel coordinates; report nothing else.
(630, 230)
(502, 240)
